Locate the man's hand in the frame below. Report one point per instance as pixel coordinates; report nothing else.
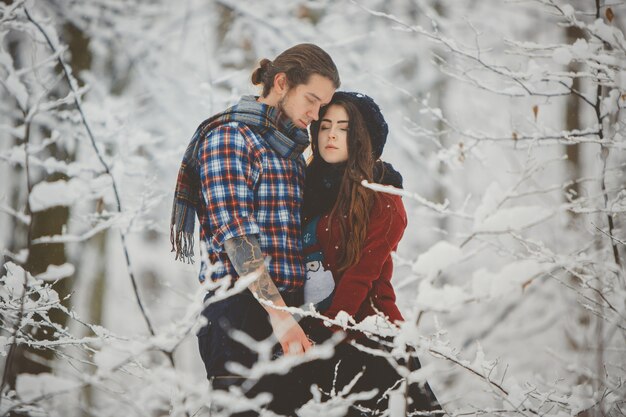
(290, 335)
(246, 256)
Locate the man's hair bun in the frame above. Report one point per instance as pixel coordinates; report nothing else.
(298, 63)
(260, 73)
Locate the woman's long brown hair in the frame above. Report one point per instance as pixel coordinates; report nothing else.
(354, 202)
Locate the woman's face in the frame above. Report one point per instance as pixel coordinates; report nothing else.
(332, 139)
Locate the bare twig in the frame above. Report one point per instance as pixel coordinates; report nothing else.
(8, 364)
(73, 85)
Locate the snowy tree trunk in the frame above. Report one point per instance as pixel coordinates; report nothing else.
(572, 117)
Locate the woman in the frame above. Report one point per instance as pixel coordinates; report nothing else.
(348, 236)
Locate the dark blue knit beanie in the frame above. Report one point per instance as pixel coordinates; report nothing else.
(374, 120)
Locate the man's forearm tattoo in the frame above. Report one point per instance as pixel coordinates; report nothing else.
(245, 254)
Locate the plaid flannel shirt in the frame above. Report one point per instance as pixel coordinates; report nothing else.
(248, 188)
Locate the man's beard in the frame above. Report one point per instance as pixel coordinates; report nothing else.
(282, 109)
(282, 103)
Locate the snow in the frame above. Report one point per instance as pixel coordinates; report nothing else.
(30, 387)
(46, 195)
(568, 10)
(17, 89)
(56, 272)
(582, 397)
(376, 325)
(443, 299)
(18, 215)
(14, 279)
(607, 33)
(510, 279)
(115, 354)
(562, 55)
(336, 406)
(238, 402)
(513, 219)
(344, 319)
(15, 155)
(621, 80)
(72, 169)
(13, 83)
(397, 402)
(70, 238)
(5, 59)
(437, 258)
(610, 104)
(489, 203)
(5, 345)
(281, 365)
(535, 70)
(518, 396)
(481, 363)
(580, 48)
(408, 334)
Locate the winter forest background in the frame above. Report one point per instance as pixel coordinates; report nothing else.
(505, 119)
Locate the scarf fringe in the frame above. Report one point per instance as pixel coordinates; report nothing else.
(182, 244)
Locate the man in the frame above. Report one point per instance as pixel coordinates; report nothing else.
(243, 175)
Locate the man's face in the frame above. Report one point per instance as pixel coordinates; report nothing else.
(302, 103)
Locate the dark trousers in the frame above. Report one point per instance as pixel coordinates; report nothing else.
(378, 374)
(243, 312)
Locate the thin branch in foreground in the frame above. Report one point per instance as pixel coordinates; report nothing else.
(74, 87)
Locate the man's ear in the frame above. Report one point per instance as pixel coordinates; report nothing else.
(280, 83)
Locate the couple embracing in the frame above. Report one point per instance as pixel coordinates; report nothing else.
(310, 230)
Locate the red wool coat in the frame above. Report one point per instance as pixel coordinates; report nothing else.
(368, 282)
